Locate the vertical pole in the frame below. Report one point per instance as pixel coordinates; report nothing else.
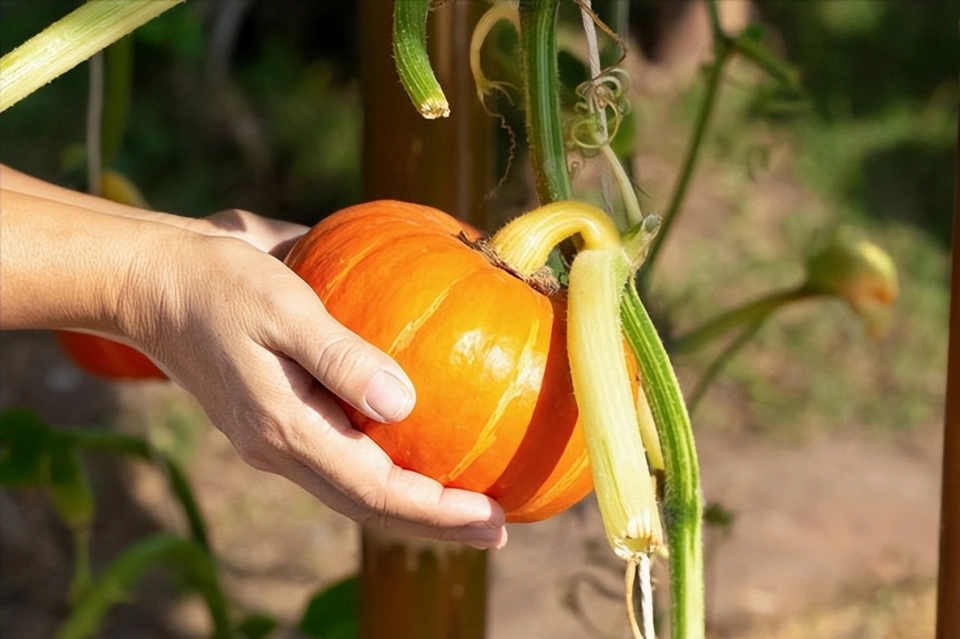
(948, 598)
(444, 163)
(408, 587)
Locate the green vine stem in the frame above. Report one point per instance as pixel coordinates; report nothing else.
(118, 89)
(721, 360)
(113, 586)
(745, 314)
(723, 52)
(138, 448)
(69, 41)
(682, 505)
(413, 63)
(68, 486)
(541, 80)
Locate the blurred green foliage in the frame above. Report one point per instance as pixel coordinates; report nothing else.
(282, 136)
(263, 117)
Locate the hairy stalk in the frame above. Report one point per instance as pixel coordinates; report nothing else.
(682, 506)
(413, 63)
(690, 159)
(115, 584)
(69, 41)
(525, 242)
(745, 314)
(541, 80)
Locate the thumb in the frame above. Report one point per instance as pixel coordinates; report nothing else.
(348, 366)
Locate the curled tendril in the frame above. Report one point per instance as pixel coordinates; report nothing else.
(607, 94)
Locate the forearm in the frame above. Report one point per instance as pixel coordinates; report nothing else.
(66, 266)
(17, 182)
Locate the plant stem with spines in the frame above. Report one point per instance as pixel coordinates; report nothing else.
(413, 63)
(538, 41)
(682, 504)
(689, 160)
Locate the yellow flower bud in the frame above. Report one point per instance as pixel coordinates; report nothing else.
(117, 187)
(858, 272)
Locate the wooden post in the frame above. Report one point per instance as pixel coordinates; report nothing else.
(948, 598)
(444, 163)
(409, 587)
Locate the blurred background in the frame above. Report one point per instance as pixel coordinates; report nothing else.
(820, 446)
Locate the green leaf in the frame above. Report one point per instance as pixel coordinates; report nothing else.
(23, 440)
(334, 613)
(573, 73)
(753, 32)
(117, 581)
(180, 30)
(67, 483)
(766, 60)
(257, 626)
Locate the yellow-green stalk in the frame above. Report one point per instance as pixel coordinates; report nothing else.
(69, 41)
(608, 414)
(601, 379)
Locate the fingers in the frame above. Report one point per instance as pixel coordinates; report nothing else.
(371, 489)
(344, 363)
(313, 444)
(269, 235)
(409, 512)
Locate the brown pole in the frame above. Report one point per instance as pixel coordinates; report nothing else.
(408, 587)
(948, 598)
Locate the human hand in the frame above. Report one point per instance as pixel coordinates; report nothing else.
(254, 344)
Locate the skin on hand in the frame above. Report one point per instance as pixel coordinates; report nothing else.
(211, 302)
(260, 352)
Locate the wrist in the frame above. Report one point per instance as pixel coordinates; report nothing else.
(67, 266)
(146, 298)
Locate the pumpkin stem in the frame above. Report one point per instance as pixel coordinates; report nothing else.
(525, 243)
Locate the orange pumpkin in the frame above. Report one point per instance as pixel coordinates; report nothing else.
(495, 408)
(106, 358)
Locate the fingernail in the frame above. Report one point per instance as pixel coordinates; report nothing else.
(493, 539)
(388, 398)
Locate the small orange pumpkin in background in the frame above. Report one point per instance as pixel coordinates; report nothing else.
(106, 358)
(486, 352)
